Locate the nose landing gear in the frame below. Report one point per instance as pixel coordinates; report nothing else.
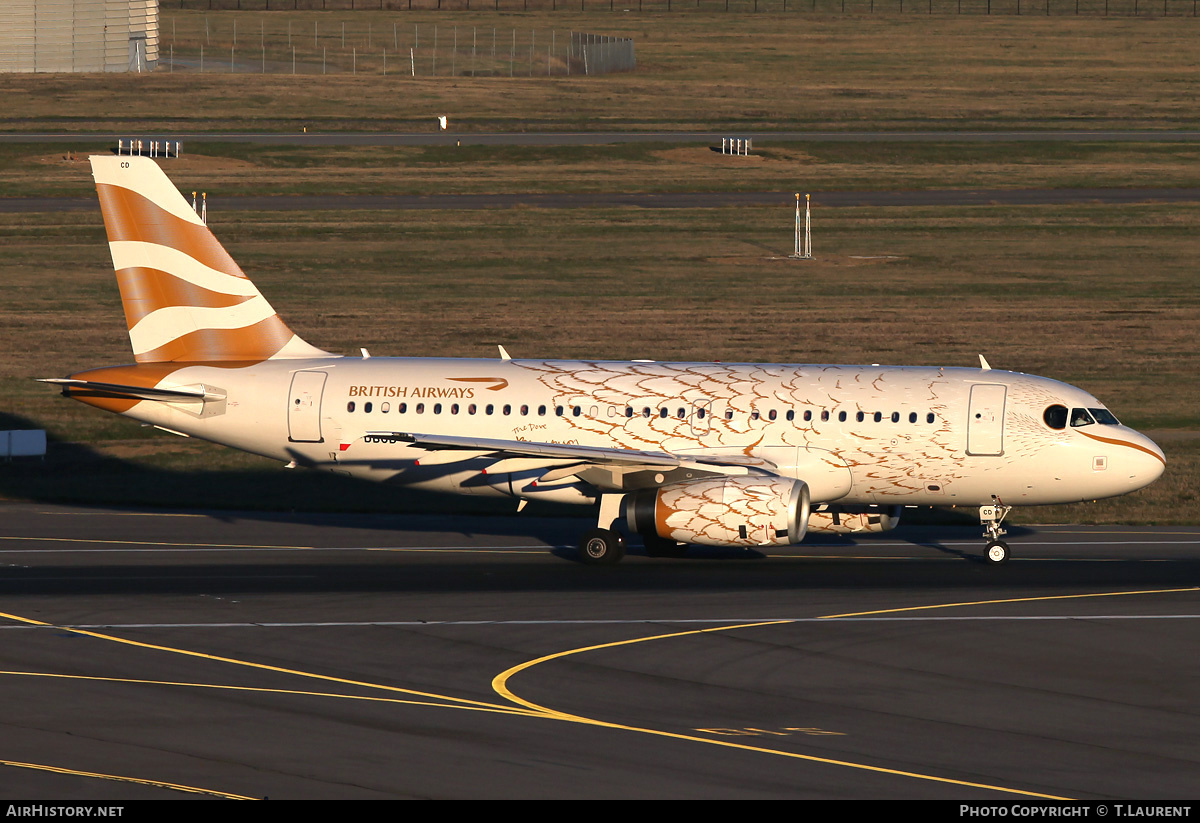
(990, 517)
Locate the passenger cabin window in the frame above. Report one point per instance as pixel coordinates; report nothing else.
(367, 408)
(1056, 417)
(350, 406)
(841, 417)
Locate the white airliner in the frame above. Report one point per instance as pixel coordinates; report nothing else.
(720, 454)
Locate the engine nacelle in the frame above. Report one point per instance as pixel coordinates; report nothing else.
(853, 519)
(724, 511)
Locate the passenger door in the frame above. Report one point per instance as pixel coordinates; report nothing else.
(304, 406)
(985, 420)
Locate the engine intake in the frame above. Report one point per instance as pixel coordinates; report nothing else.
(724, 511)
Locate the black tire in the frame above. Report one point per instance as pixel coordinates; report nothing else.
(663, 546)
(601, 547)
(997, 552)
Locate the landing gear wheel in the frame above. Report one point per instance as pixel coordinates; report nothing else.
(601, 547)
(997, 552)
(663, 546)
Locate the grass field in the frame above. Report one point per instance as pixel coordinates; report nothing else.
(1103, 297)
(695, 71)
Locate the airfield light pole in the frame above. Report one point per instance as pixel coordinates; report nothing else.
(803, 247)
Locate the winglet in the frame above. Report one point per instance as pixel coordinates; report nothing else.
(983, 363)
(504, 355)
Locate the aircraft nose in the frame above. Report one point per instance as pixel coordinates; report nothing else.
(1144, 460)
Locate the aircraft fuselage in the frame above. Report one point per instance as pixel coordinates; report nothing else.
(856, 434)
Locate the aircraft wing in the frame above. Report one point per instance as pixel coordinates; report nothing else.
(603, 467)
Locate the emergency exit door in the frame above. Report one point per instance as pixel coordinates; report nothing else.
(304, 406)
(985, 420)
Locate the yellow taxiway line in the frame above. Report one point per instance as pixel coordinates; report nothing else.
(501, 687)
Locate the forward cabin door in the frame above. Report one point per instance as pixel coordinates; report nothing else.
(985, 420)
(304, 406)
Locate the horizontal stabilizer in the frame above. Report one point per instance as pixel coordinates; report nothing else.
(71, 386)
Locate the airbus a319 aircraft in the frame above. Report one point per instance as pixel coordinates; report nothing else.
(718, 454)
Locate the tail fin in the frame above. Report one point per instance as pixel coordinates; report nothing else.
(185, 299)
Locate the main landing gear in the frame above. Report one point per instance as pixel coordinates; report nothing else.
(604, 545)
(990, 517)
(601, 547)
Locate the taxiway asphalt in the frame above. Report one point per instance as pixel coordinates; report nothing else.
(150, 654)
(648, 200)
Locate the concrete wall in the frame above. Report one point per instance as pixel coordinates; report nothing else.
(78, 35)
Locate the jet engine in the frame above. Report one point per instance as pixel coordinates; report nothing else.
(853, 519)
(723, 511)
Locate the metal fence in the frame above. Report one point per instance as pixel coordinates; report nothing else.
(275, 45)
(602, 55)
(1055, 8)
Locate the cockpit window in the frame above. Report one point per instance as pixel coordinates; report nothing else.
(1056, 416)
(1105, 417)
(1080, 417)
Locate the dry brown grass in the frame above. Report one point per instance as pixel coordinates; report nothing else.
(695, 71)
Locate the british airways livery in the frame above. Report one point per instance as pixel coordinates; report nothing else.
(720, 454)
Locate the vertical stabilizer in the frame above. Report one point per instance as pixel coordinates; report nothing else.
(185, 298)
